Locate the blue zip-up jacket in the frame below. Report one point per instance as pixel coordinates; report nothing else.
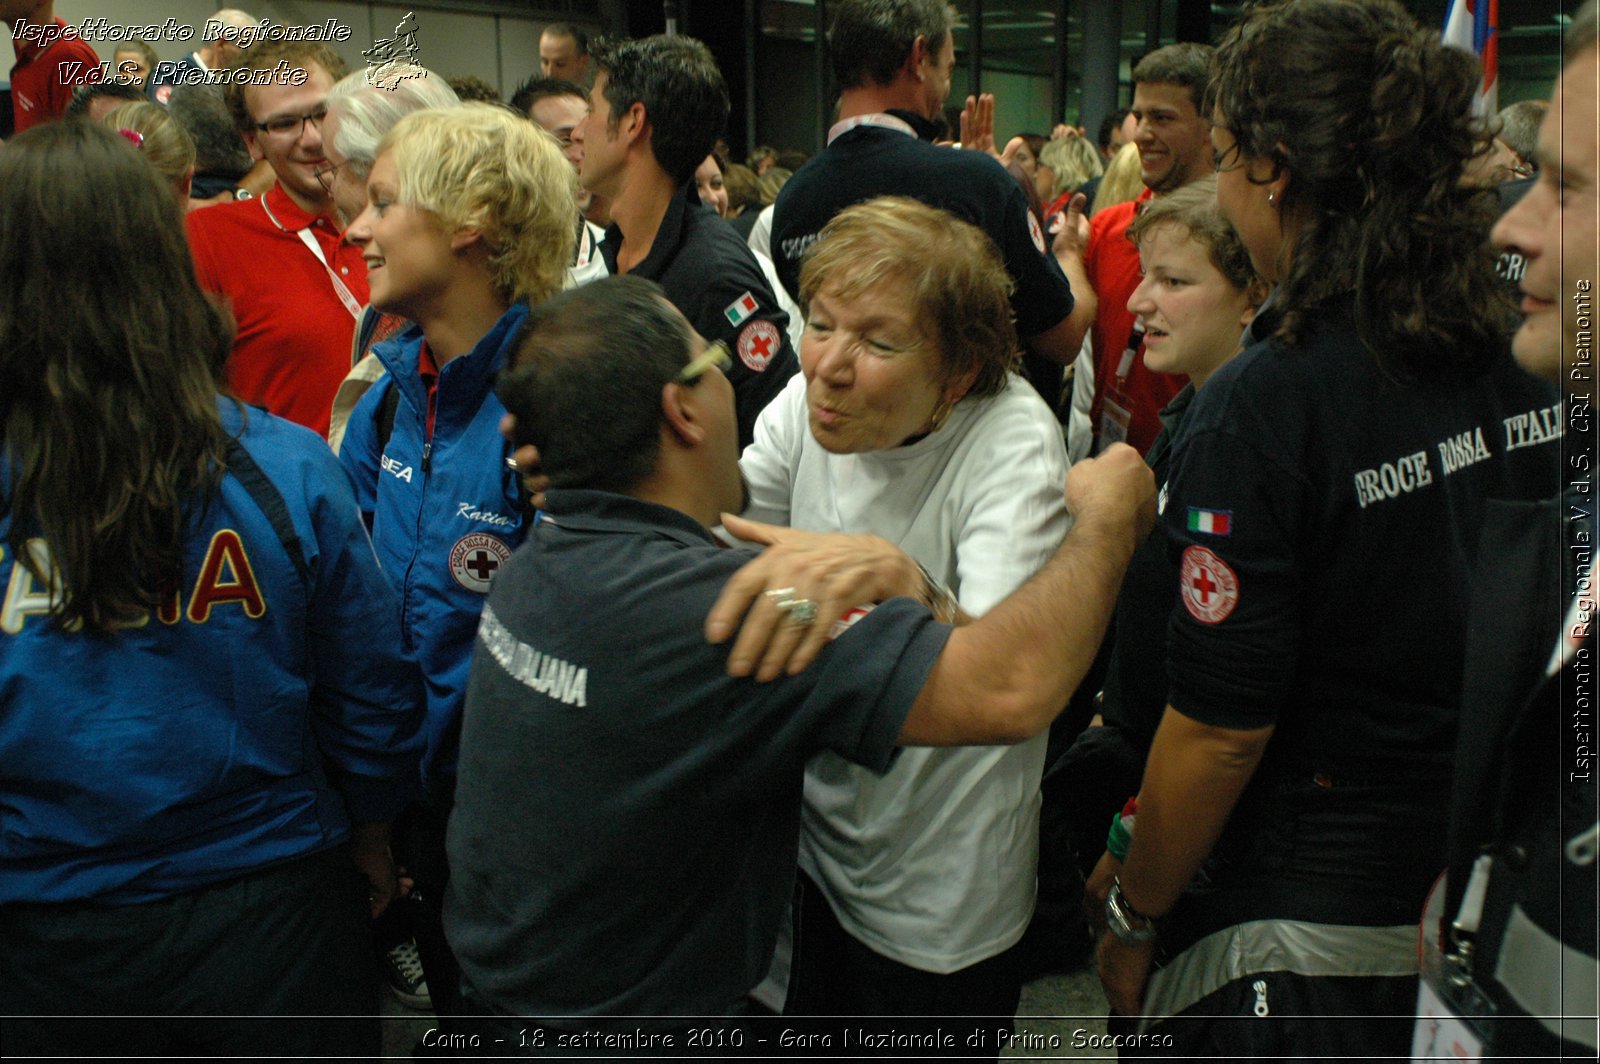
(244, 725)
(444, 515)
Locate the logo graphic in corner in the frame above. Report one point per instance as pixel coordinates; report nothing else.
(475, 559)
(1210, 588)
(758, 344)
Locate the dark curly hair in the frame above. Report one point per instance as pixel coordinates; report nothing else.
(1372, 118)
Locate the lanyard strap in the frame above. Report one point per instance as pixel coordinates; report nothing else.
(351, 303)
(882, 121)
(1129, 352)
(587, 246)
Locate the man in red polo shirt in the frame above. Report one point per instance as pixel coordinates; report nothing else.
(295, 286)
(40, 87)
(1174, 149)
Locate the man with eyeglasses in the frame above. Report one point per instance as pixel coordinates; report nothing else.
(295, 286)
(642, 878)
(557, 106)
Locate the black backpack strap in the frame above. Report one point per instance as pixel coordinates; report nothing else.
(269, 500)
(386, 413)
(366, 329)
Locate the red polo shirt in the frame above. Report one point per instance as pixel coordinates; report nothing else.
(40, 89)
(295, 332)
(1112, 266)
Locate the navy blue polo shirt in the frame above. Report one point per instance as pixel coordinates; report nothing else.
(1323, 517)
(627, 814)
(710, 274)
(868, 161)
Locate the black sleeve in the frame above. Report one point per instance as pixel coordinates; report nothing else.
(1042, 297)
(733, 303)
(1234, 640)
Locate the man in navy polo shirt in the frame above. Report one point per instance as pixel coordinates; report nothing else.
(893, 60)
(649, 865)
(656, 108)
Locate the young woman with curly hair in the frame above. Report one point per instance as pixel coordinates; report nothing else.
(1322, 505)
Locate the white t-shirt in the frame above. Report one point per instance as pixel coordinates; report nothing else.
(588, 264)
(934, 863)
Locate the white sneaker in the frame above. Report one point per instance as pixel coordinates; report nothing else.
(402, 969)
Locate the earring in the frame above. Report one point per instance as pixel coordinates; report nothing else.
(1272, 199)
(941, 414)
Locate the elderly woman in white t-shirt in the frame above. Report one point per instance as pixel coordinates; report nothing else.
(910, 423)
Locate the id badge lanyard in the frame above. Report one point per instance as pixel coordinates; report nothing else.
(351, 303)
(1116, 413)
(879, 119)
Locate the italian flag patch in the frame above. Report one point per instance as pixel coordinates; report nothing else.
(1211, 522)
(740, 309)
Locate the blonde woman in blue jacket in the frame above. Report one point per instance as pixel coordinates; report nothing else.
(468, 221)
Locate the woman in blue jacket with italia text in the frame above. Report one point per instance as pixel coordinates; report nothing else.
(204, 710)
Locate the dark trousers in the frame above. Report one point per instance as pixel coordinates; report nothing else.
(419, 839)
(274, 963)
(834, 975)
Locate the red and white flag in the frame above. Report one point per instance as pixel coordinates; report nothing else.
(1475, 26)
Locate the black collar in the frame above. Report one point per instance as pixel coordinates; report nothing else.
(670, 235)
(603, 511)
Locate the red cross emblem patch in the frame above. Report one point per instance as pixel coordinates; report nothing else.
(475, 559)
(1210, 588)
(851, 616)
(758, 344)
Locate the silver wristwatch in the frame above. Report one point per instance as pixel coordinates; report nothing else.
(1124, 921)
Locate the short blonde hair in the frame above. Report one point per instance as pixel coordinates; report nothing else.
(167, 145)
(1123, 179)
(1073, 160)
(956, 285)
(481, 167)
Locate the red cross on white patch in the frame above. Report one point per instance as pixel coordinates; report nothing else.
(758, 344)
(475, 558)
(1210, 588)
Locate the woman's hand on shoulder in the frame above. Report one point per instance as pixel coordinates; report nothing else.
(526, 458)
(785, 601)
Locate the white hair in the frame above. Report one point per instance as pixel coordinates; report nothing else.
(232, 16)
(366, 112)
